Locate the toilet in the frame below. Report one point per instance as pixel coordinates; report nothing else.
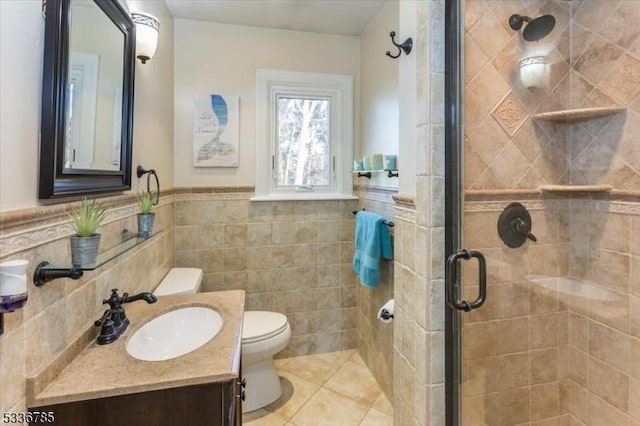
(264, 334)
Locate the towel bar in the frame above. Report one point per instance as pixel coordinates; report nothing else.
(388, 223)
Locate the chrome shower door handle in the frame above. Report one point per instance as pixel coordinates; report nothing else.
(451, 278)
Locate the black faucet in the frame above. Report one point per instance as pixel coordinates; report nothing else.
(114, 321)
(147, 297)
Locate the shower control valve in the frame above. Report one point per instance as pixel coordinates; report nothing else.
(514, 225)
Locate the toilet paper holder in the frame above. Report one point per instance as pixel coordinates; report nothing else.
(386, 314)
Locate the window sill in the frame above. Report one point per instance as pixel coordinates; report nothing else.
(303, 197)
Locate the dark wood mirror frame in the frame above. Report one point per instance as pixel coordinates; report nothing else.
(54, 180)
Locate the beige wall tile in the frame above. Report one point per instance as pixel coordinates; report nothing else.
(513, 335)
(574, 399)
(544, 365)
(576, 365)
(543, 331)
(610, 346)
(634, 398)
(602, 413)
(622, 80)
(515, 407)
(480, 340)
(481, 376)
(608, 384)
(513, 369)
(579, 332)
(545, 401)
(598, 59)
(12, 369)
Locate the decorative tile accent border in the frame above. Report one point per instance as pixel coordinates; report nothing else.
(478, 194)
(480, 201)
(482, 206)
(375, 194)
(214, 195)
(404, 214)
(405, 201)
(617, 207)
(215, 189)
(47, 213)
(507, 194)
(30, 228)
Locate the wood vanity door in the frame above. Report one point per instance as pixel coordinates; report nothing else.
(199, 405)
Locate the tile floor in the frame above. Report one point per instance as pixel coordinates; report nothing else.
(332, 389)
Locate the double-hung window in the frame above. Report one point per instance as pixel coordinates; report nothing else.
(304, 135)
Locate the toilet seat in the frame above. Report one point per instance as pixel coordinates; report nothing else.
(262, 325)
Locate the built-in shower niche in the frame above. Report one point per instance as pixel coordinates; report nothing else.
(590, 159)
(579, 114)
(581, 298)
(575, 293)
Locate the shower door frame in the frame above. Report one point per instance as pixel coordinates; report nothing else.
(454, 196)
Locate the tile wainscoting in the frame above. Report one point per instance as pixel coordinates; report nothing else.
(62, 310)
(292, 257)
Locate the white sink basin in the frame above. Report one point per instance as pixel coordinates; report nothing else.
(174, 334)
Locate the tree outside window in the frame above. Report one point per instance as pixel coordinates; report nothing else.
(303, 142)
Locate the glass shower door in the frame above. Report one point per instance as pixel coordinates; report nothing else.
(543, 213)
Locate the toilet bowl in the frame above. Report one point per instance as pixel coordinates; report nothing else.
(264, 334)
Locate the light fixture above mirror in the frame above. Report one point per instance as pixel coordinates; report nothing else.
(147, 31)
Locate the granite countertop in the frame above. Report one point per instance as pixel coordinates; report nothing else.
(100, 371)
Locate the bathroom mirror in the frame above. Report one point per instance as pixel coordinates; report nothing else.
(87, 98)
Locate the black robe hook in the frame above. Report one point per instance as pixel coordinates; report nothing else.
(406, 46)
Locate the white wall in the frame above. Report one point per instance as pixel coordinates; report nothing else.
(408, 89)
(219, 58)
(379, 125)
(153, 124)
(21, 41)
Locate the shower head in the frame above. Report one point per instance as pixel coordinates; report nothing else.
(536, 29)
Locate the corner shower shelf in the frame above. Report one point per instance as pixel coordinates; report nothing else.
(575, 115)
(45, 272)
(574, 189)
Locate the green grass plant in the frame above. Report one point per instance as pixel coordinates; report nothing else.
(145, 201)
(87, 218)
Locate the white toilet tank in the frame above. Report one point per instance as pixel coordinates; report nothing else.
(180, 281)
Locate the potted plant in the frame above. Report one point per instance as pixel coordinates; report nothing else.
(86, 241)
(146, 217)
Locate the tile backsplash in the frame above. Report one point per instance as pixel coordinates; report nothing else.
(292, 257)
(594, 62)
(563, 343)
(59, 312)
(375, 338)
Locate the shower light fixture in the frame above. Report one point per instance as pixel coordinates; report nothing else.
(534, 71)
(147, 30)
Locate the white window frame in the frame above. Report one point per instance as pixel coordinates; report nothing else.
(337, 87)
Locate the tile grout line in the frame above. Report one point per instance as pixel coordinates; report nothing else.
(328, 359)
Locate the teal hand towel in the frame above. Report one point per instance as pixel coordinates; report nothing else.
(372, 241)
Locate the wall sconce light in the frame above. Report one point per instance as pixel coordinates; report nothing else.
(147, 30)
(534, 71)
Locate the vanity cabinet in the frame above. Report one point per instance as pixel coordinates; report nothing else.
(214, 404)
